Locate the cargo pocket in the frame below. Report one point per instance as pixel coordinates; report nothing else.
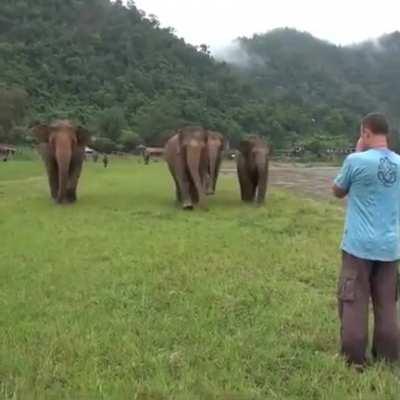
(397, 284)
(347, 285)
(347, 289)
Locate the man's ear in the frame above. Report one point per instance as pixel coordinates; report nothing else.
(367, 134)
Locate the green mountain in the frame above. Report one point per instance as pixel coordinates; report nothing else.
(130, 80)
(360, 78)
(339, 84)
(103, 62)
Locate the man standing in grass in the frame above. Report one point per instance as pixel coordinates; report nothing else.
(371, 245)
(105, 160)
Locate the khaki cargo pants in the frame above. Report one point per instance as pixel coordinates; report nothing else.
(361, 280)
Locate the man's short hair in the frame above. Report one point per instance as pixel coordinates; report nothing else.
(376, 123)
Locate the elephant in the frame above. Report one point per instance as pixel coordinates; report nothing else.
(215, 147)
(62, 148)
(186, 156)
(252, 168)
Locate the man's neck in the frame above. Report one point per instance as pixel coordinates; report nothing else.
(378, 142)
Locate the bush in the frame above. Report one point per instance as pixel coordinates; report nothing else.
(25, 154)
(104, 145)
(110, 123)
(130, 140)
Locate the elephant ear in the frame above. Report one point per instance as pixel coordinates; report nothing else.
(245, 146)
(41, 132)
(181, 138)
(83, 136)
(223, 142)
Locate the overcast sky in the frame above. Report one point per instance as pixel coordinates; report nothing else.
(218, 22)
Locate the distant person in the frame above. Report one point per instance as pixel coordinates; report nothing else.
(105, 161)
(371, 245)
(5, 159)
(146, 157)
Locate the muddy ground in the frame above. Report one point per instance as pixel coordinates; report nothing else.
(311, 181)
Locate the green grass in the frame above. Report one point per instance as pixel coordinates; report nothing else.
(124, 296)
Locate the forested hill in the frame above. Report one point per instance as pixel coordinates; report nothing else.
(116, 70)
(291, 66)
(95, 59)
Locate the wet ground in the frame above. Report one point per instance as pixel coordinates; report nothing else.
(312, 181)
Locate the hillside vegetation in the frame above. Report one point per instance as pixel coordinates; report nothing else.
(115, 69)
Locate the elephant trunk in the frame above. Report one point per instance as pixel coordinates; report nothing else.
(197, 170)
(63, 153)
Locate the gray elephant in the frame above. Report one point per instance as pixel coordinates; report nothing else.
(62, 147)
(252, 168)
(186, 156)
(215, 148)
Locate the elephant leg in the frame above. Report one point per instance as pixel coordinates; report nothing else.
(177, 169)
(52, 172)
(208, 184)
(247, 187)
(217, 169)
(254, 189)
(74, 174)
(178, 195)
(51, 168)
(205, 179)
(194, 195)
(262, 184)
(196, 171)
(205, 175)
(185, 190)
(177, 189)
(63, 153)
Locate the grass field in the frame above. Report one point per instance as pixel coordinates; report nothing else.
(124, 296)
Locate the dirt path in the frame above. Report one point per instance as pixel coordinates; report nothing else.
(314, 181)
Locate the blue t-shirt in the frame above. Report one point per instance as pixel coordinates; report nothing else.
(372, 180)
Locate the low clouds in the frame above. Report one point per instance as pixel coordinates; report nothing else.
(219, 22)
(235, 54)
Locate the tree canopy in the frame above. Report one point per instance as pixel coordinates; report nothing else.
(115, 69)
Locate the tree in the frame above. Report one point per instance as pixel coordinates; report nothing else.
(104, 145)
(110, 123)
(13, 110)
(105, 63)
(130, 140)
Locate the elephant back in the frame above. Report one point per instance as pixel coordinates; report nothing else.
(192, 134)
(251, 142)
(216, 136)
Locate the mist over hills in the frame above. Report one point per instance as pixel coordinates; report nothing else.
(361, 77)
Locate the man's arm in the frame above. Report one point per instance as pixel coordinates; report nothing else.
(341, 185)
(339, 192)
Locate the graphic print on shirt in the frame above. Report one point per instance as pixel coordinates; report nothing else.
(387, 172)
